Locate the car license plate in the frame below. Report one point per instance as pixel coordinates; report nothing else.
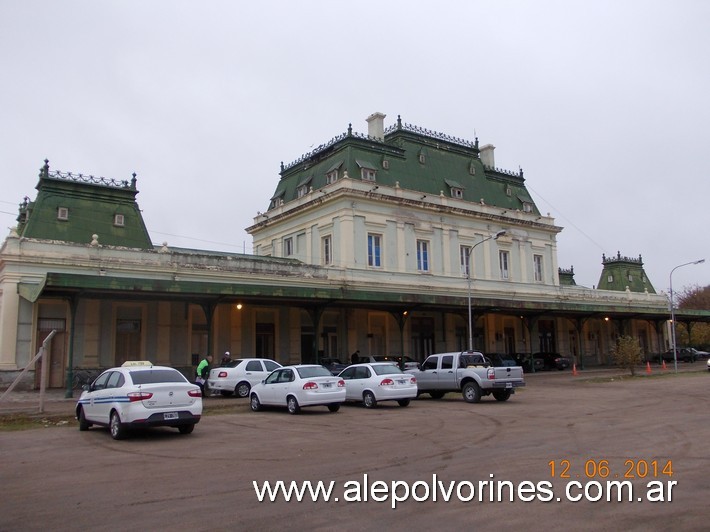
(402, 382)
(508, 384)
(170, 415)
(326, 385)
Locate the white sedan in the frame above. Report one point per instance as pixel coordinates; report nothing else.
(297, 386)
(381, 381)
(240, 375)
(139, 394)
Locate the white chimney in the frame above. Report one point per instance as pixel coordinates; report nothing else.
(487, 155)
(376, 126)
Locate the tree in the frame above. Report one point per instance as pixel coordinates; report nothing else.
(627, 353)
(695, 298)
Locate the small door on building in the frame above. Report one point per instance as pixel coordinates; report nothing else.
(55, 355)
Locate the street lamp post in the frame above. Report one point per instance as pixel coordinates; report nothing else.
(468, 260)
(673, 345)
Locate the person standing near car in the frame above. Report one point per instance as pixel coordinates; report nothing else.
(203, 372)
(226, 359)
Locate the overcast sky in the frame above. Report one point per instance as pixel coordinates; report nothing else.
(603, 104)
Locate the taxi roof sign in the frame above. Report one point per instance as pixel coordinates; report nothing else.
(132, 363)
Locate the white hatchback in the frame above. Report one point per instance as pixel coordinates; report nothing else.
(297, 386)
(137, 395)
(240, 375)
(381, 381)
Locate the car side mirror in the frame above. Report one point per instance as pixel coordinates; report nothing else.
(86, 387)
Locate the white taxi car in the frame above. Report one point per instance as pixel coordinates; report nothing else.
(378, 381)
(139, 394)
(297, 386)
(240, 375)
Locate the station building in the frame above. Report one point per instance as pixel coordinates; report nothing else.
(400, 240)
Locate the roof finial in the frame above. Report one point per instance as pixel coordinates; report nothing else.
(350, 130)
(133, 181)
(399, 122)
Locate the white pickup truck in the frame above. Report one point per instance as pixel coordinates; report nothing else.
(468, 372)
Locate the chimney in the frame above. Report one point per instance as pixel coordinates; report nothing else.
(375, 126)
(487, 155)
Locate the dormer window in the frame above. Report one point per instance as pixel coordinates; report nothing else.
(62, 213)
(367, 171)
(508, 191)
(276, 201)
(303, 185)
(386, 164)
(610, 279)
(455, 187)
(119, 220)
(472, 168)
(422, 158)
(527, 203)
(333, 173)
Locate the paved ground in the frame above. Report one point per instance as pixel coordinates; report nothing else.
(61, 478)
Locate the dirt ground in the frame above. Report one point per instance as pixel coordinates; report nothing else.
(592, 428)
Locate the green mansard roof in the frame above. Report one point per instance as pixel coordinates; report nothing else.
(413, 158)
(74, 207)
(622, 272)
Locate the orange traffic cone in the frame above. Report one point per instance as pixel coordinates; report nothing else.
(648, 368)
(574, 370)
(664, 365)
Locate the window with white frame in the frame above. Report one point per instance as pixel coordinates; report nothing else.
(537, 266)
(288, 247)
(374, 250)
(422, 255)
(368, 174)
(302, 190)
(456, 192)
(465, 254)
(62, 213)
(504, 258)
(119, 220)
(327, 250)
(527, 207)
(331, 177)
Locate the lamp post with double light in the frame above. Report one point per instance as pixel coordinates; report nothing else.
(468, 265)
(670, 281)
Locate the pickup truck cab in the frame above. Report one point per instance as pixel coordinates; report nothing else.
(468, 372)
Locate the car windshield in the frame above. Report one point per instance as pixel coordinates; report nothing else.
(386, 369)
(313, 371)
(156, 376)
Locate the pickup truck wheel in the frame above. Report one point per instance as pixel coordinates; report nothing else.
(471, 392)
(368, 400)
(501, 395)
(437, 395)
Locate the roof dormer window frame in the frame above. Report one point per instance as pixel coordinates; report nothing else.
(119, 220)
(368, 172)
(63, 213)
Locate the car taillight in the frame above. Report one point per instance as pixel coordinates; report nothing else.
(413, 380)
(387, 382)
(310, 385)
(341, 383)
(138, 396)
(222, 375)
(491, 374)
(195, 393)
